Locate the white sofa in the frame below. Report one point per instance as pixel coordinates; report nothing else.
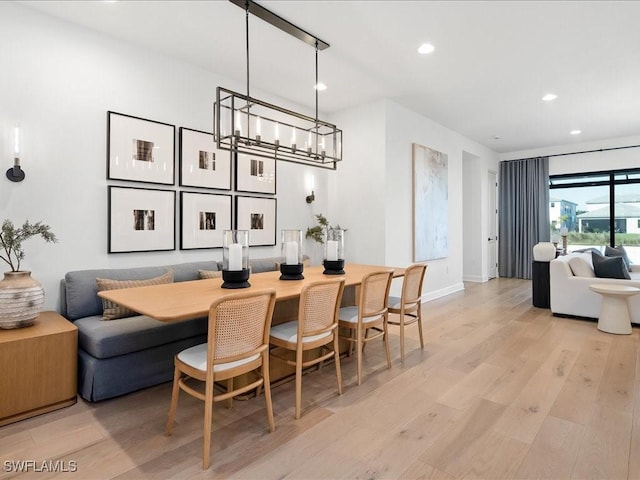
(571, 295)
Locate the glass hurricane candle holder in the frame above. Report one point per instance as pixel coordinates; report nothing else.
(235, 259)
(334, 252)
(291, 255)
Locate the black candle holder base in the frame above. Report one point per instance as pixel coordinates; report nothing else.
(333, 267)
(235, 278)
(291, 272)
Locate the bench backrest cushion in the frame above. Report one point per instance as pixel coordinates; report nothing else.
(80, 289)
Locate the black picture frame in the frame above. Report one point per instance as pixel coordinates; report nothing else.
(255, 174)
(141, 219)
(203, 219)
(259, 216)
(140, 150)
(202, 164)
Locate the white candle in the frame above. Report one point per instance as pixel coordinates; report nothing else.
(258, 127)
(277, 132)
(291, 253)
(16, 142)
(235, 256)
(238, 124)
(293, 136)
(332, 250)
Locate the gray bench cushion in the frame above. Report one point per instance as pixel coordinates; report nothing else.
(125, 335)
(81, 290)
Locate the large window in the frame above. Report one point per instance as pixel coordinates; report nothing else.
(597, 209)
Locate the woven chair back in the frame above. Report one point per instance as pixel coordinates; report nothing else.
(319, 304)
(412, 283)
(240, 323)
(375, 292)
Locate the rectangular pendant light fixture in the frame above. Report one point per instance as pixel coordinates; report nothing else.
(247, 125)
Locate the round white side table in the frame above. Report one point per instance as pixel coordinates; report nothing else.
(614, 311)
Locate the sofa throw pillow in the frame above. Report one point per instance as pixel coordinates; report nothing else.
(581, 265)
(609, 267)
(618, 251)
(113, 311)
(209, 274)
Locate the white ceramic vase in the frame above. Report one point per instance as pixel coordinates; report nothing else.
(21, 300)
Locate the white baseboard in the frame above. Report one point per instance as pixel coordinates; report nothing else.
(427, 297)
(474, 278)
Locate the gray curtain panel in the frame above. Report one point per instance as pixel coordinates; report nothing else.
(523, 215)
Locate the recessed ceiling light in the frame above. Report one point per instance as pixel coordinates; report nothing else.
(575, 132)
(496, 137)
(426, 48)
(549, 96)
(321, 87)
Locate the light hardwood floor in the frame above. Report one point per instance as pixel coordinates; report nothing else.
(502, 390)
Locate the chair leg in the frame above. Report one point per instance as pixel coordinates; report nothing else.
(174, 401)
(402, 338)
(386, 342)
(336, 354)
(229, 389)
(352, 341)
(364, 340)
(208, 417)
(359, 345)
(420, 326)
(298, 383)
(267, 391)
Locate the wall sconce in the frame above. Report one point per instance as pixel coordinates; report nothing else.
(16, 174)
(311, 198)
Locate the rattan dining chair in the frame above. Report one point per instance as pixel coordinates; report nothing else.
(237, 343)
(371, 313)
(407, 309)
(315, 329)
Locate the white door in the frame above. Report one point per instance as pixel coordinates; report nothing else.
(492, 236)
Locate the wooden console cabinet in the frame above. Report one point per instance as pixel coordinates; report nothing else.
(38, 368)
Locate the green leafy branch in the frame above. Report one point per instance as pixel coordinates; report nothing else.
(318, 232)
(11, 239)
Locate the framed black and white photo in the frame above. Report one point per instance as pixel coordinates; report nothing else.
(258, 215)
(201, 163)
(140, 150)
(204, 216)
(141, 219)
(255, 174)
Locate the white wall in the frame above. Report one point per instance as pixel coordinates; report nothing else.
(58, 82)
(376, 184)
(474, 204)
(357, 192)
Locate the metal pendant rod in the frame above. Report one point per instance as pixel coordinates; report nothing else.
(280, 23)
(247, 38)
(316, 87)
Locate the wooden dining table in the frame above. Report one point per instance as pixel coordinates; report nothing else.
(178, 301)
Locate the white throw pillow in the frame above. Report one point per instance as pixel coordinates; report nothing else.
(582, 265)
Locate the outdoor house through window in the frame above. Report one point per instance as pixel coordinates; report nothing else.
(598, 209)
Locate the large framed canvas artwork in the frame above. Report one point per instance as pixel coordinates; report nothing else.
(430, 204)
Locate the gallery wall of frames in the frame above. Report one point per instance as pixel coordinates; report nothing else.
(217, 190)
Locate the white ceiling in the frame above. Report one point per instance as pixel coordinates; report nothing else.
(492, 64)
